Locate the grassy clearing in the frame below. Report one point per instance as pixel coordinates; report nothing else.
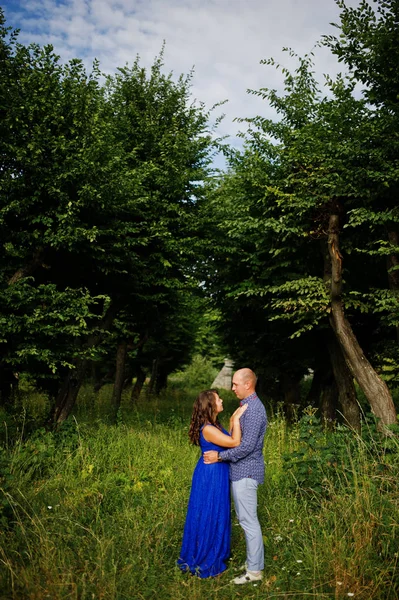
(97, 511)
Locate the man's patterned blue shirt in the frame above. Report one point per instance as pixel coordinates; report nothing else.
(247, 459)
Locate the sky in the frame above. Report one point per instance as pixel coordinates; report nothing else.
(223, 40)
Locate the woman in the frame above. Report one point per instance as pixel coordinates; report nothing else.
(207, 531)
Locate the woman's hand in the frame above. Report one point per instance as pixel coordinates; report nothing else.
(235, 427)
(236, 415)
(239, 412)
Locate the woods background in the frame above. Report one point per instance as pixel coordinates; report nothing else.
(130, 265)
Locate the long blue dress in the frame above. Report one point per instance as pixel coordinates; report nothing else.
(207, 531)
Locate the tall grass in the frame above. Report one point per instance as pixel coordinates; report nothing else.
(96, 511)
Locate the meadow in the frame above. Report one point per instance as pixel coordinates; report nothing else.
(96, 511)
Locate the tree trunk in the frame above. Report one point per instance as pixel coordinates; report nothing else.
(343, 377)
(393, 268)
(121, 354)
(68, 393)
(313, 397)
(97, 377)
(375, 390)
(328, 398)
(161, 380)
(159, 375)
(292, 398)
(346, 388)
(30, 268)
(324, 392)
(154, 375)
(138, 386)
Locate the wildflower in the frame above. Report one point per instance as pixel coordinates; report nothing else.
(299, 561)
(339, 583)
(49, 507)
(351, 594)
(291, 521)
(298, 573)
(278, 538)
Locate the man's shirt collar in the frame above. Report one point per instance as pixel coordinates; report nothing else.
(248, 398)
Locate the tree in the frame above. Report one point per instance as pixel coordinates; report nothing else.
(50, 136)
(368, 46)
(303, 176)
(100, 187)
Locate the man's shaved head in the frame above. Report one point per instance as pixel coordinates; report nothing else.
(247, 375)
(244, 382)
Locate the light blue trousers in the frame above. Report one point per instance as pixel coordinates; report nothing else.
(245, 498)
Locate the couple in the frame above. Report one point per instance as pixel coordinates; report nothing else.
(207, 531)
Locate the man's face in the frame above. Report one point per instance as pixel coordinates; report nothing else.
(239, 387)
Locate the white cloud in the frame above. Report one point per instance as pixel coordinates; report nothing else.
(223, 39)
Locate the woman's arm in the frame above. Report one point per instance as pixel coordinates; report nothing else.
(214, 435)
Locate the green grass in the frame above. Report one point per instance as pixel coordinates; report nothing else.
(96, 511)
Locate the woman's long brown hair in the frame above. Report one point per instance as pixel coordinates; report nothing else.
(204, 411)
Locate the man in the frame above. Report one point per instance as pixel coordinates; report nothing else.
(247, 471)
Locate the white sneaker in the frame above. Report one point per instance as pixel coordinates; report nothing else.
(248, 577)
